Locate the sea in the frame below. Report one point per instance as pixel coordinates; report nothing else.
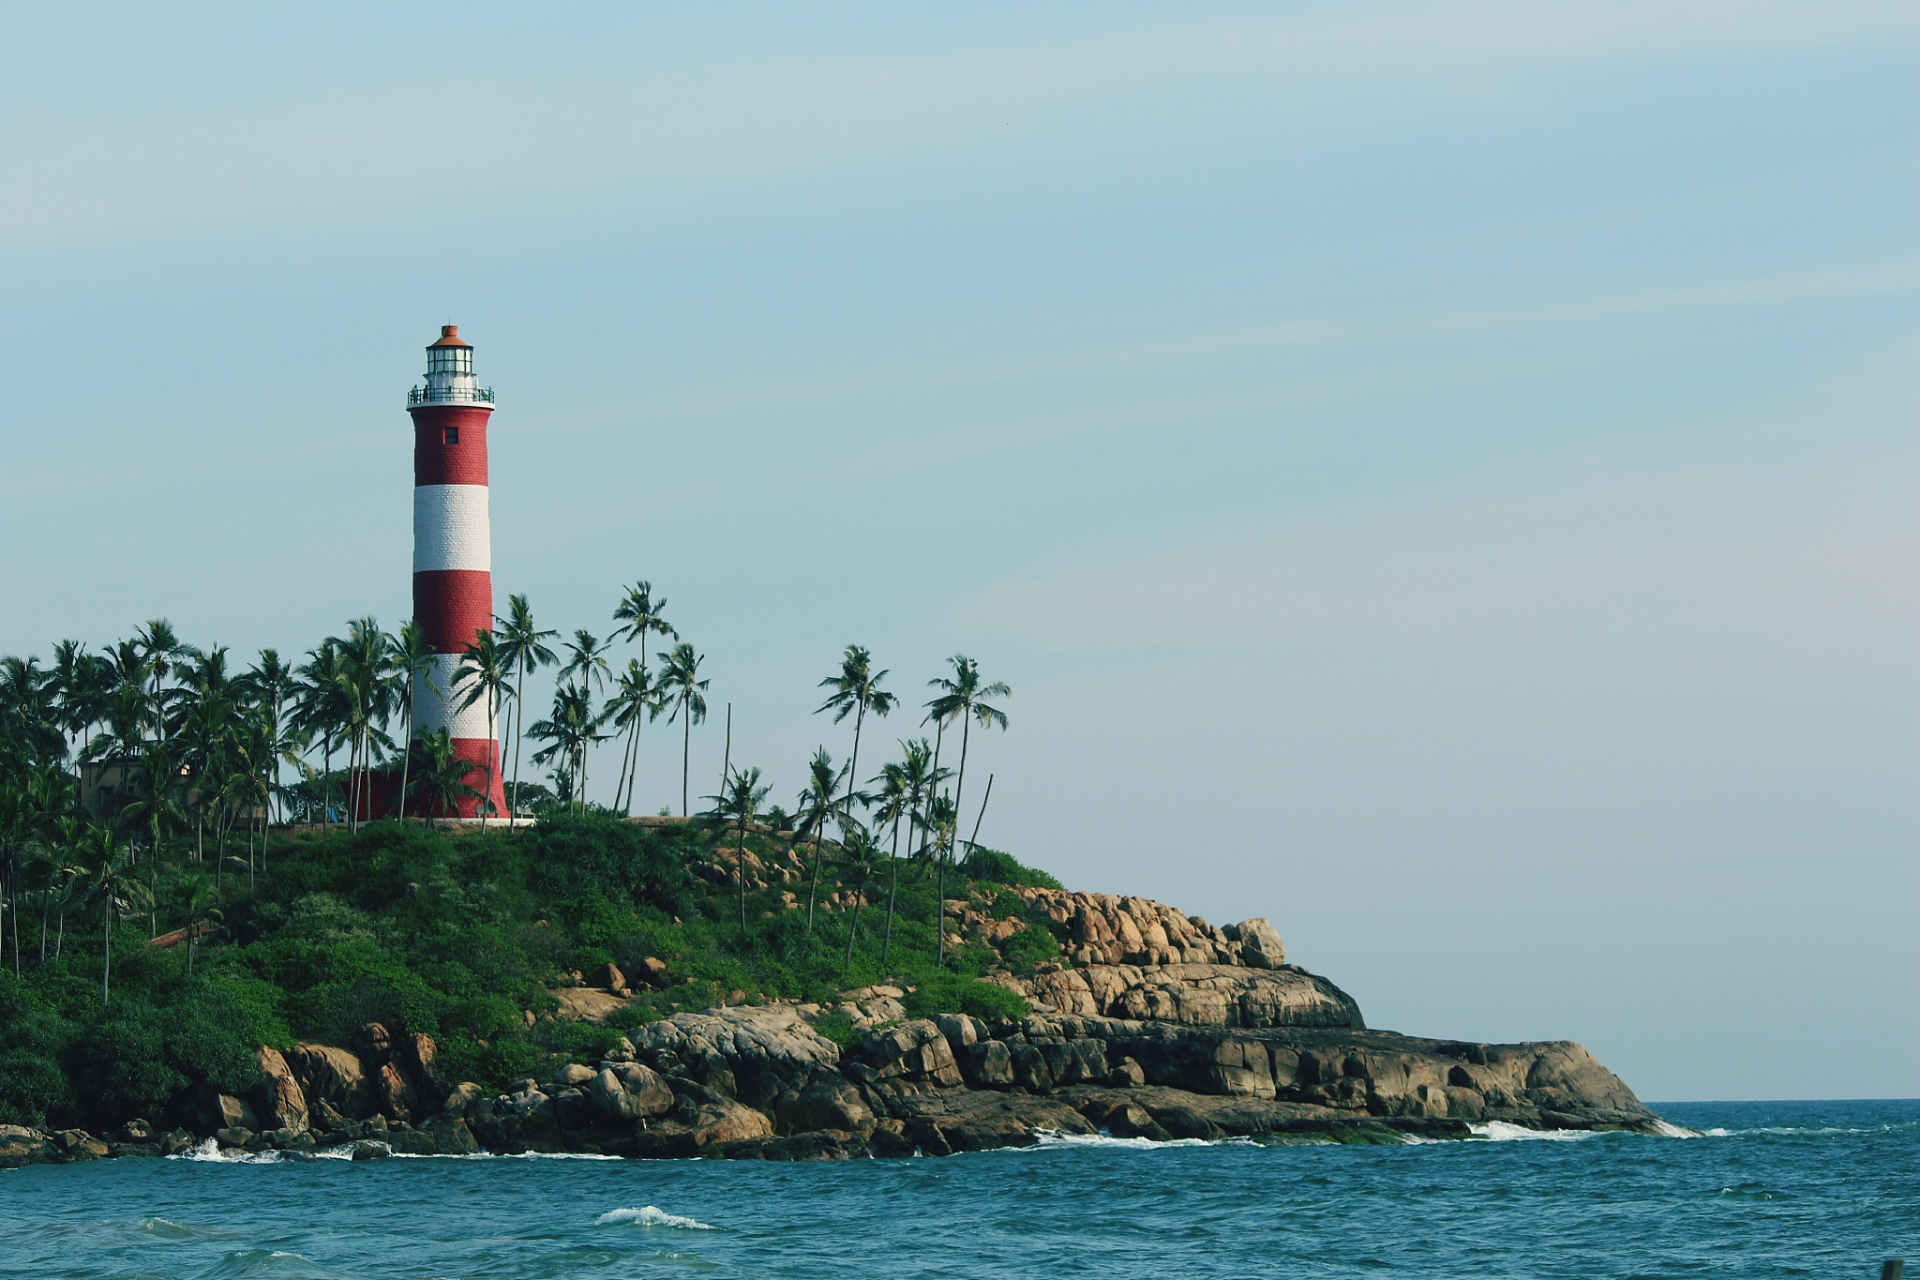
(1765, 1189)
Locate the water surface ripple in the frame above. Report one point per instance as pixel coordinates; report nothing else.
(1774, 1189)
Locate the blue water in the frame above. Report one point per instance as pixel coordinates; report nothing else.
(1775, 1189)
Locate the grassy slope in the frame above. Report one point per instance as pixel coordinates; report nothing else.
(457, 936)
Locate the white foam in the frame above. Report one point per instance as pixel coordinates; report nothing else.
(1666, 1130)
(1054, 1138)
(1501, 1131)
(650, 1216)
(209, 1150)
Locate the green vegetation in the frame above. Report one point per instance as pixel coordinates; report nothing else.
(462, 934)
(196, 861)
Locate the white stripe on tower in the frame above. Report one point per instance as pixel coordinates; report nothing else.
(436, 703)
(450, 529)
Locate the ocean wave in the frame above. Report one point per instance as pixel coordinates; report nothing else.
(651, 1216)
(1501, 1131)
(1667, 1130)
(264, 1262)
(207, 1150)
(1045, 1138)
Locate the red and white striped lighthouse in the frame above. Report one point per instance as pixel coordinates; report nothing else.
(453, 552)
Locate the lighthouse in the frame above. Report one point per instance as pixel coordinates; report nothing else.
(453, 554)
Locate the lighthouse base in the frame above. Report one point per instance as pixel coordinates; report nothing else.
(482, 775)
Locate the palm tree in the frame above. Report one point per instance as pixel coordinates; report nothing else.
(856, 690)
(636, 699)
(439, 774)
(963, 699)
(643, 616)
(897, 799)
(367, 678)
(861, 857)
(199, 897)
(820, 803)
(482, 674)
(413, 658)
(113, 882)
(157, 788)
(680, 682)
(160, 649)
(739, 802)
(586, 660)
(938, 823)
(320, 708)
(522, 648)
(569, 732)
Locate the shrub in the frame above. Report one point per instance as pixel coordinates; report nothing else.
(1028, 949)
(572, 856)
(1001, 868)
(951, 993)
(837, 1025)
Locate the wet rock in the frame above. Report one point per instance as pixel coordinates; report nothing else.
(175, 1141)
(1124, 1119)
(441, 1135)
(233, 1137)
(820, 1144)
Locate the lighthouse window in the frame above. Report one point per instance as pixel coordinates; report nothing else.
(452, 435)
(455, 360)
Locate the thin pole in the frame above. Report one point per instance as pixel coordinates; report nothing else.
(726, 762)
(979, 817)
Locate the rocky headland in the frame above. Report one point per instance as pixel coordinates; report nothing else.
(1155, 1026)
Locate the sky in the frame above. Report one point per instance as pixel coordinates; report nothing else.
(1439, 476)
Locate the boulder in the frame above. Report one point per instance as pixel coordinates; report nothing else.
(628, 1091)
(234, 1136)
(1260, 945)
(417, 1054)
(224, 1111)
(609, 976)
(826, 1102)
(822, 1144)
(372, 1042)
(913, 1050)
(20, 1145)
(987, 1065)
(1030, 1069)
(1123, 1119)
(768, 1050)
(279, 1101)
(441, 1135)
(653, 972)
(693, 1128)
(333, 1076)
(397, 1099)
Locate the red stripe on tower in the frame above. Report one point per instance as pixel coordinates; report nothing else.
(453, 557)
